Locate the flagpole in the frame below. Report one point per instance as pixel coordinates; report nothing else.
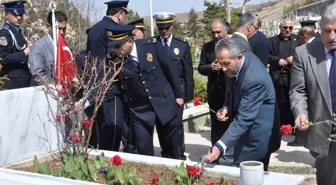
(52, 5)
(151, 18)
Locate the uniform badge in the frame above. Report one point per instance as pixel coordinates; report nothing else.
(3, 41)
(149, 57)
(176, 51)
(109, 33)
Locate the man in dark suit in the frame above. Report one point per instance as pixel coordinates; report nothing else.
(218, 82)
(149, 67)
(13, 47)
(250, 131)
(179, 49)
(260, 45)
(282, 47)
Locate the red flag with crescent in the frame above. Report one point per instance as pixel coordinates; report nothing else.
(65, 67)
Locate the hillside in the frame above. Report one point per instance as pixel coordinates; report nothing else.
(268, 11)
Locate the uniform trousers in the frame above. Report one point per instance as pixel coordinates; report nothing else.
(170, 136)
(107, 129)
(128, 136)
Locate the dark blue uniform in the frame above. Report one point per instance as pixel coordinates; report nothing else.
(13, 58)
(180, 51)
(98, 38)
(152, 86)
(110, 114)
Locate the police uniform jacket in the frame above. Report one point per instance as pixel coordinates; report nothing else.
(180, 51)
(13, 58)
(151, 84)
(98, 44)
(98, 38)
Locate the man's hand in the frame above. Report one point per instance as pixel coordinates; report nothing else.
(290, 60)
(215, 66)
(222, 114)
(213, 154)
(26, 51)
(302, 121)
(179, 101)
(282, 62)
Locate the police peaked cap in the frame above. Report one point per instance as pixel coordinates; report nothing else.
(140, 24)
(117, 4)
(164, 19)
(14, 6)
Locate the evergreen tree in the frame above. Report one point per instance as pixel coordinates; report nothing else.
(132, 16)
(193, 27)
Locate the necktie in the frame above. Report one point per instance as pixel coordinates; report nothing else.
(166, 43)
(332, 80)
(332, 85)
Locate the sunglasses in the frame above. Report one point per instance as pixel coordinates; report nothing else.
(287, 27)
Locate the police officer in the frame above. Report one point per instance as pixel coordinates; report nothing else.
(128, 138)
(139, 32)
(180, 51)
(13, 47)
(151, 83)
(110, 114)
(115, 14)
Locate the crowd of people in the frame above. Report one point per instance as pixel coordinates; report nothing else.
(250, 103)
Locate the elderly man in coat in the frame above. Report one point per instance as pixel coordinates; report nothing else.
(313, 96)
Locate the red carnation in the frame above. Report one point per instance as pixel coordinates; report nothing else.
(193, 171)
(87, 123)
(197, 101)
(155, 179)
(74, 138)
(63, 91)
(116, 160)
(211, 183)
(58, 117)
(286, 129)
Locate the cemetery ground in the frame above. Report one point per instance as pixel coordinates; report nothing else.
(290, 160)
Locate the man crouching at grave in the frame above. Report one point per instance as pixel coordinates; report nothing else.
(153, 89)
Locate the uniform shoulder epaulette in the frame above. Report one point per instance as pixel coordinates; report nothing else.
(150, 40)
(181, 39)
(5, 27)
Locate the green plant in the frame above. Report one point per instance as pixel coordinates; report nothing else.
(200, 89)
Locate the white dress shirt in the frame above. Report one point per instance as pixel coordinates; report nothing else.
(169, 39)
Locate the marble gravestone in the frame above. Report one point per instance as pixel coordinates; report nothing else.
(28, 124)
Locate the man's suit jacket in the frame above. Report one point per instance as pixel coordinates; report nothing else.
(242, 42)
(41, 60)
(260, 47)
(254, 105)
(218, 81)
(310, 94)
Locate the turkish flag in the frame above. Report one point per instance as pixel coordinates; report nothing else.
(65, 67)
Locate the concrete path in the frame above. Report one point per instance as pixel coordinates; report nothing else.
(197, 144)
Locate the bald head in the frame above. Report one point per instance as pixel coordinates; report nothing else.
(305, 34)
(218, 29)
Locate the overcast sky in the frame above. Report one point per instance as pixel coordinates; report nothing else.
(175, 6)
